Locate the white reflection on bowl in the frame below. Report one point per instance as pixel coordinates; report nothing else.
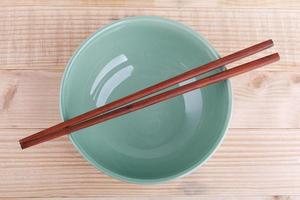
(113, 82)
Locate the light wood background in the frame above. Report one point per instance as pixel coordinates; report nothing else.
(260, 157)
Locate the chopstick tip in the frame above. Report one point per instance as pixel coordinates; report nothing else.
(22, 144)
(276, 56)
(270, 42)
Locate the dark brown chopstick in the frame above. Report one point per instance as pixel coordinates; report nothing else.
(153, 100)
(155, 88)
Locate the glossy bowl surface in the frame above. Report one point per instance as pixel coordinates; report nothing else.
(158, 143)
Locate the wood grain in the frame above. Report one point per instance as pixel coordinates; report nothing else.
(45, 37)
(250, 161)
(202, 197)
(158, 3)
(29, 99)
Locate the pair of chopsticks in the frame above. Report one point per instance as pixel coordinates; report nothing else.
(122, 106)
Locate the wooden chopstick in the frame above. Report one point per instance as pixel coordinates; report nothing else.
(153, 100)
(152, 89)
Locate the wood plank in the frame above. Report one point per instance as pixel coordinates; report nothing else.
(202, 197)
(160, 3)
(29, 99)
(21, 103)
(253, 161)
(45, 37)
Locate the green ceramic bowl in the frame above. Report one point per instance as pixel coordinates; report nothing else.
(158, 143)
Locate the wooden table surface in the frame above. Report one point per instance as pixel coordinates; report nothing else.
(260, 157)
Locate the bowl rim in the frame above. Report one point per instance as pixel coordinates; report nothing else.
(127, 179)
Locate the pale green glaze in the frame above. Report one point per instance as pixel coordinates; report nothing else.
(160, 142)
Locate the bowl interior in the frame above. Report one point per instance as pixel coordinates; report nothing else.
(160, 142)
